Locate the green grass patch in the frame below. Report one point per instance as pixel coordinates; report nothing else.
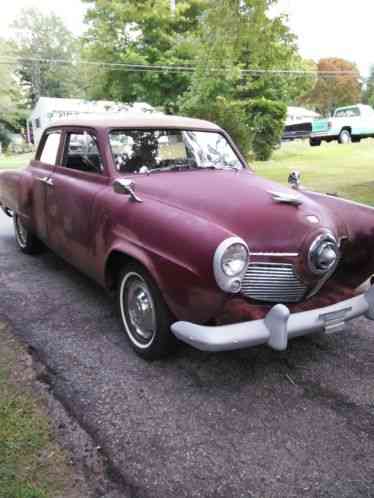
(32, 465)
(14, 162)
(346, 170)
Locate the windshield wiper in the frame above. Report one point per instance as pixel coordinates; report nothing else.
(212, 166)
(177, 165)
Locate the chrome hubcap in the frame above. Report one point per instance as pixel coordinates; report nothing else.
(138, 310)
(21, 232)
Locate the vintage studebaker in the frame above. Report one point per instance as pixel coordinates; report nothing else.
(165, 211)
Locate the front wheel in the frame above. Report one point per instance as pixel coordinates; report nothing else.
(345, 137)
(26, 241)
(145, 316)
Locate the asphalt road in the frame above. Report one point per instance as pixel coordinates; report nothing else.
(253, 423)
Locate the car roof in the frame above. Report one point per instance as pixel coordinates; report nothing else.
(137, 121)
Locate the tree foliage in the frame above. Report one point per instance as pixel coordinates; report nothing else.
(368, 94)
(332, 91)
(266, 118)
(12, 98)
(239, 36)
(142, 32)
(39, 36)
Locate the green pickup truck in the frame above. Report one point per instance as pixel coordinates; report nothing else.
(349, 124)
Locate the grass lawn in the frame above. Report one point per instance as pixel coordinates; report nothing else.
(13, 162)
(32, 465)
(346, 170)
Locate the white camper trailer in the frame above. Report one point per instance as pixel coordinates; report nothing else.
(48, 110)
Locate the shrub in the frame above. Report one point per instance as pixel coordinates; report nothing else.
(227, 113)
(265, 120)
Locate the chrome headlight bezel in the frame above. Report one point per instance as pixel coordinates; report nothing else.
(229, 283)
(321, 243)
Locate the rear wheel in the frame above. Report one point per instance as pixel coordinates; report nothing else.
(26, 241)
(345, 137)
(145, 316)
(315, 142)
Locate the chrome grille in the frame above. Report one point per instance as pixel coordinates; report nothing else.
(273, 282)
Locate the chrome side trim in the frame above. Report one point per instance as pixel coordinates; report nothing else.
(276, 254)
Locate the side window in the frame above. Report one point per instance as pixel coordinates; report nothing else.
(82, 153)
(50, 148)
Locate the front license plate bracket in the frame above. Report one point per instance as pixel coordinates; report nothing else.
(335, 321)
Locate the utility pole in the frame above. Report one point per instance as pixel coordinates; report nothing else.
(36, 80)
(173, 5)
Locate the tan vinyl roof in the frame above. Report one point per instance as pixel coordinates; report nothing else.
(137, 121)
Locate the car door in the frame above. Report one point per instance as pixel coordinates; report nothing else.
(41, 170)
(71, 200)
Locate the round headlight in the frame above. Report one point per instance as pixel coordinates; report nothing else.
(323, 254)
(230, 264)
(234, 260)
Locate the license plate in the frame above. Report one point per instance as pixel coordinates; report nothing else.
(335, 321)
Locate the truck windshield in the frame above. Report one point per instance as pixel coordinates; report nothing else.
(144, 151)
(348, 113)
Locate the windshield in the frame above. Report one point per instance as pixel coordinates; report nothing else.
(144, 151)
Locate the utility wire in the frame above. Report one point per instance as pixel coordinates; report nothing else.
(175, 68)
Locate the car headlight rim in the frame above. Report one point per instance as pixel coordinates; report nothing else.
(324, 254)
(241, 260)
(228, 269)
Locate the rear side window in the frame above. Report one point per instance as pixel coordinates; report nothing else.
(50, 148)
(82, 153)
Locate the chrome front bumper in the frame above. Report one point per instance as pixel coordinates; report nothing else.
(277, 327)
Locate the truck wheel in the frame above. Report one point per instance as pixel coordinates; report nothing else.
(345, 137)
(315, 142)
(145, 316)
(26, 241)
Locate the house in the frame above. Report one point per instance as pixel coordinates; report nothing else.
(48, 110)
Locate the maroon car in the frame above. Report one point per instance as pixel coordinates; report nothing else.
(165, 211)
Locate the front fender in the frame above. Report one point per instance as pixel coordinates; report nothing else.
(176, 248)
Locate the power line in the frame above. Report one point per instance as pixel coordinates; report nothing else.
(176, 68)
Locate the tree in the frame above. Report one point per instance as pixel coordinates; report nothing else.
(332, 91)
(368, 94)
(12, 98)
(146, 32)
(239, 41)
(39, 36)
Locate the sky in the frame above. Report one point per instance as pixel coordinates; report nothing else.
(325, 28)
(333, 28)
(71, 11)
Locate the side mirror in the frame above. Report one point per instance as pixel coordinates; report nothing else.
(126, 187)
(294, 179)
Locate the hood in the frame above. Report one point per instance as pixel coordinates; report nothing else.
(242, 203)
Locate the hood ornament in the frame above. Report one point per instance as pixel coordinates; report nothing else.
(282, 198)
(294, 180)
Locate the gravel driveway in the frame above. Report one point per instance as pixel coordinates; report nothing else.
(253, 423)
